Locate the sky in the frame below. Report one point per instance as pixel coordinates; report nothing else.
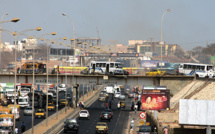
(190, 23)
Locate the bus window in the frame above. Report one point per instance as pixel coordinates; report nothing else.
(202, 67)
(118, 65)
(209, 67)
(111, 64)
(103, 64)
(185, 66)
(197, 67)
(98, 65)
(189, 67)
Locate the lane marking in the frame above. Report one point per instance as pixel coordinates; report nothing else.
(117, 122)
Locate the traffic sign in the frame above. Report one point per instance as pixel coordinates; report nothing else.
(142, 115)
(141, 122)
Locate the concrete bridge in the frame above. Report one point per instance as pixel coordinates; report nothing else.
(174, 83)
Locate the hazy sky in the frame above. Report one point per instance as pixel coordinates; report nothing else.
(190, 23)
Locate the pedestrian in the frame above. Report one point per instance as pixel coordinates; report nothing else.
(16, 130)
(139, 97)
(132, 106)
(165, 131)
(112, 97)
(155, 129)
(118, 106)
(23, 127)
(135, 108)
(138, 104)
(132, 124)
(93, 89)
(80, 105)
(106, 104)
(109, 104)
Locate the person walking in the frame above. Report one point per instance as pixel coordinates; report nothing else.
(135, 108)
(165, 131)
(23, 127)
(132, 106)
(106, 104)
(118, 106)
(109, 104)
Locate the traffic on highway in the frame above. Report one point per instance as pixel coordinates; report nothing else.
(22, 111)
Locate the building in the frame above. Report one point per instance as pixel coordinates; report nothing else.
(86, 42)
(120, 48)
(153, 47)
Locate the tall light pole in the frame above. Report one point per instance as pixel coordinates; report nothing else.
(73, 25)
(15, 71)
(47, 78)
(161, 43)
(13, 20)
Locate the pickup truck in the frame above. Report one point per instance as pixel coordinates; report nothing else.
(156, 72)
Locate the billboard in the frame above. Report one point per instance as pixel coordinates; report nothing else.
(196, 112)
(213, 60)
(156, 99)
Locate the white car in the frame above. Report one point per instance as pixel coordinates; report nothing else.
(84, 114)
(117, 94)
(122, 97)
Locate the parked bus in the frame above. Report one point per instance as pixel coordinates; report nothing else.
(27, 68)
(200, 70)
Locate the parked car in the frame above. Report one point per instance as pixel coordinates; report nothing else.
(84, 114)
(156, 72)
(131, 95)
(71, 125)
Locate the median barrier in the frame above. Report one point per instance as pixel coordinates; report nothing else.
(71, 115)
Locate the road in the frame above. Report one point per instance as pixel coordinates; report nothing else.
(118, 123)
(28, 119)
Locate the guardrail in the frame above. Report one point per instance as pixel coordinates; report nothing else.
(57, 126)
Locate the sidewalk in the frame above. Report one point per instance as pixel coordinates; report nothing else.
(43, 128)
(136, 119)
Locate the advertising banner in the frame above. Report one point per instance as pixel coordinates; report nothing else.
(156, 100)
(4, 86)
(213, 60)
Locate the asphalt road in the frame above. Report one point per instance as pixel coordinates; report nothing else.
(118, 123)
(28, 119)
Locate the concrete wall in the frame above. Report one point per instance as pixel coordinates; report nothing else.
(174, 83)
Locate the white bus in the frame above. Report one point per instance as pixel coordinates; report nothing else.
(102, 67)
(200, 70)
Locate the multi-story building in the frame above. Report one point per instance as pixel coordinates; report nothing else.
(154, 47)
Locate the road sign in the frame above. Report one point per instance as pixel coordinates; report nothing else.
(142, 115)
(141, 122)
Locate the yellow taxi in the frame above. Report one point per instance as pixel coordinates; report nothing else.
(156, 72)
(51, 107)
(40, 113)
(63, 102)
(101, 127)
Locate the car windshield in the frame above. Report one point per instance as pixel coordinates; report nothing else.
(22, 100)
(40, 111)
(101, 124)
(28, 108)
(63, 100)
(71, 121)
(83, 112)
(25, 90)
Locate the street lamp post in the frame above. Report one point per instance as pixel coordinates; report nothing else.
(15, 71)
(13, 20)
(161, 43)
(47, 77)
(73, 52)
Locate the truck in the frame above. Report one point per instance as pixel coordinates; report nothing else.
(15, 110)
(62, 87)
(109, 89)
(24, 91)
(23, 101)
(10, 93)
